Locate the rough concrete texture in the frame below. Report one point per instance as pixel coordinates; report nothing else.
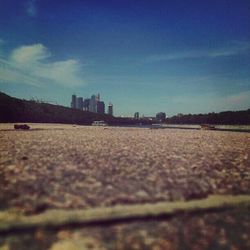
(66, 166)
(77, 167)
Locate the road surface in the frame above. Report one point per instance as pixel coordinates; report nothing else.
(78, 167)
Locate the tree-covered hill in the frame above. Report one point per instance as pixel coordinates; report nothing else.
(227, 118)
(17, 110)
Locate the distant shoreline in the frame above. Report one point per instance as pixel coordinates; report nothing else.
(17, 110)
(36, 126)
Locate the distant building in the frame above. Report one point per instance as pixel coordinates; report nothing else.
(86, 104)
(100, 107)
(161, 116)
(93, 104)
(137, 115)
(79, 103)
(110, 109)
(73, 102)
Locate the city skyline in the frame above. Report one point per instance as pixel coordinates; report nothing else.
(92, 104)
(147, 56)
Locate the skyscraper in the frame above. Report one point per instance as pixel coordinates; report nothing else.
(110, 109)
(100, 107)
(98, 98)
(86, 104)
(73, 102)
(93, 104)
(79, 103)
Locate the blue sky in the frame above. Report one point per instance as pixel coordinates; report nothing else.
(147, 56)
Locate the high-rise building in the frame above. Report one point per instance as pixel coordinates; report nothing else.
(110, 109)
(100, 107)
(137, 115)
(79, 103)
(93, 104)
(73, 102)
(86, 104)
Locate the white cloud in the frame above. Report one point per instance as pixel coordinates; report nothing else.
(62, 72)
(232, 49)
(31, 8)
(31, 65)
(11, 74)
(30, 54)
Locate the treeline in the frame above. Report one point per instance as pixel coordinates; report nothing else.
(226, 118)
(17, 110)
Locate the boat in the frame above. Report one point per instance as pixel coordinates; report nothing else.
(156, 126)
(99, 123)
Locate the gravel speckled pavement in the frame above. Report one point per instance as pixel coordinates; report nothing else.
(66, 166)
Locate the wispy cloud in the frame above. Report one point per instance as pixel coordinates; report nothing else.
(31, 8)
(213, 102)
(240, 100)
(1, 44)
(32, 65)
(234, 48)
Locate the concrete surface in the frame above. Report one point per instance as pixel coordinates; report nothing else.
(66, 166)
